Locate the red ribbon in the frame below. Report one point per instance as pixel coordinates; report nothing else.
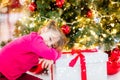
(52, 72)
(82, 61)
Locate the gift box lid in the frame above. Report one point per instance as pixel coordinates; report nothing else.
(95, 57)
(90, 57)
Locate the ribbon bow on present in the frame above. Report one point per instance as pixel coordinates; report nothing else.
(82, 61)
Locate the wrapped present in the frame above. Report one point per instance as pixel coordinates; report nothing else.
(86, 65)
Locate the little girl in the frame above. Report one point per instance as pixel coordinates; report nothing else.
(20, 55)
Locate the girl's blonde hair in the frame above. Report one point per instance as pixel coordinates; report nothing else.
(56, 31)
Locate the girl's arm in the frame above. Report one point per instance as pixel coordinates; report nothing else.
(40, 48)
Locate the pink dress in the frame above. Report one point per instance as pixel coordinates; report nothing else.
(22, 54)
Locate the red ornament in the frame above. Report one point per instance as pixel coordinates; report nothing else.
(115, 54)
(113, 64)
(65, 29)
(89, 14)
(112, 67)
(37, 69)
(14, 4)
(32, 6)
(60, 3)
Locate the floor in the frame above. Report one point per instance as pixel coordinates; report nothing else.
(110, 77)
(114, 77)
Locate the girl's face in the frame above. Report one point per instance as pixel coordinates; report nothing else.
(51, 42)
(50, 39)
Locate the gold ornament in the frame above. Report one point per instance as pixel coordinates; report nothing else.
(5, 3)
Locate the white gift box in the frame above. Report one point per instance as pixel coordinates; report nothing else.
(96, 67)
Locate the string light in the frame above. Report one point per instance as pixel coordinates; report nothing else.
(79, 23)
(114, 31)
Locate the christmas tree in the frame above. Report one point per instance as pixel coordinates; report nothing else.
(88, 23)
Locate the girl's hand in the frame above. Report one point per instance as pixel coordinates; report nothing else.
(46, 63)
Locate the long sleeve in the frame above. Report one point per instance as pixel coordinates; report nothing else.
(40, 48)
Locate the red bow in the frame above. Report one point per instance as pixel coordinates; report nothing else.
(82, 61)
